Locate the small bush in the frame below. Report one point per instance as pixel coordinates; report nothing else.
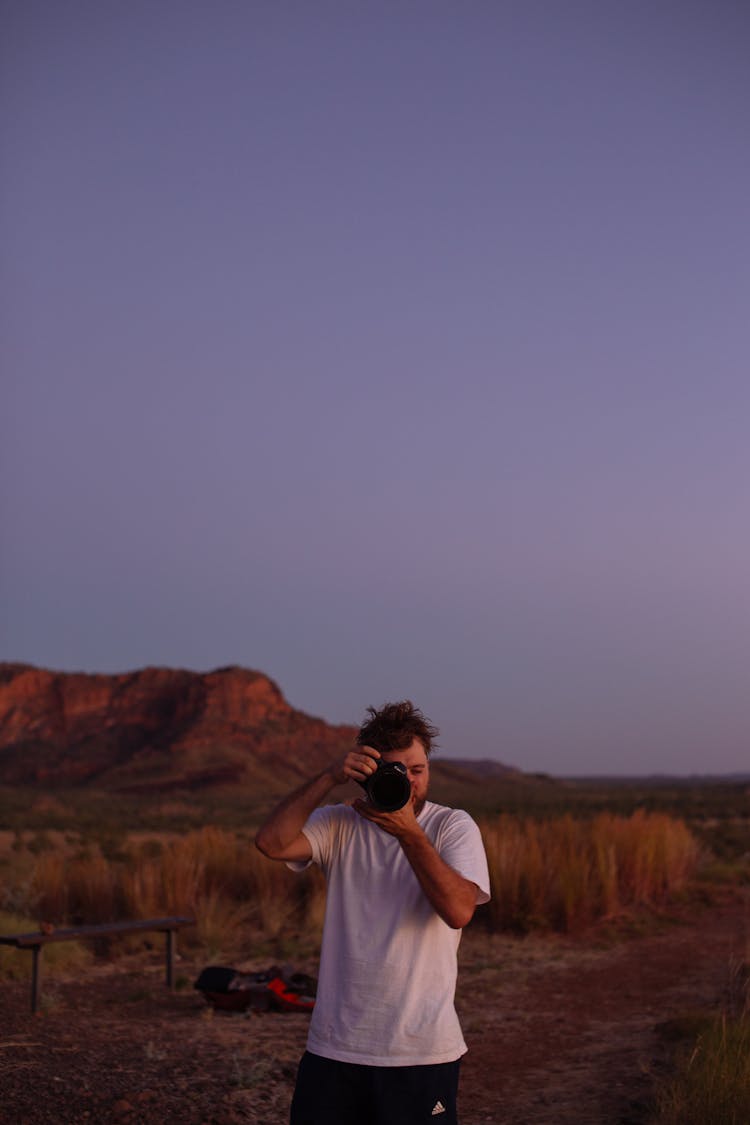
(712, 1083)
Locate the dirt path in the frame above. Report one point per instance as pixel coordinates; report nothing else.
(560, 1032)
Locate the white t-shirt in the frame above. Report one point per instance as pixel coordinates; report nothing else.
(388, 962)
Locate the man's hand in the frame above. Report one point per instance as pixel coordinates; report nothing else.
(357, 765)
(402, 823)
(450, 895)
(281, 837)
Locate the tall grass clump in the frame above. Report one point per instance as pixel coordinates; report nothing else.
(83, 889)
(557, 874)
(712, 1083)
(565, 873)
(202, 870)
(220, 878)
(217, 876)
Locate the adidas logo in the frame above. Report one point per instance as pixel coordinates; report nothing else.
(438, 1108)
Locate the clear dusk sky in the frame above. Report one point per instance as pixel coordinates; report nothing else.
(392, 349)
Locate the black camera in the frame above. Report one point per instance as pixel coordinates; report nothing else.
(389, 788)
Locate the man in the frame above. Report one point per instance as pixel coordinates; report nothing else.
(384, 1043)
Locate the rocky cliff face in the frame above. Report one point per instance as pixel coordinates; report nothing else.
(155, 729)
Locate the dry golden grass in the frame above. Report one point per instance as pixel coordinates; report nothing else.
(558, 874)
(215, 875)
(563, 874)
(65, 957)
(712, 1082)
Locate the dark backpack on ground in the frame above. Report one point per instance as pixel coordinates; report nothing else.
(274, 989)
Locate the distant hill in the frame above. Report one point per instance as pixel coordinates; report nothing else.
(161, 730)
(156, 729)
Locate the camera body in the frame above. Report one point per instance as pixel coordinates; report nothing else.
(388, 788)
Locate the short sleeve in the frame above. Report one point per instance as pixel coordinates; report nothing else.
(459, 843)
(319, 829)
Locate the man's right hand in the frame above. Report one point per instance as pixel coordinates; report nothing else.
(281, 837)
(356, 765)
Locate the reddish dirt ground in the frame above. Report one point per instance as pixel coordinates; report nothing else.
(560, 1032)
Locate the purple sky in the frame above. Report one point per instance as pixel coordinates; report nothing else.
(391, 349)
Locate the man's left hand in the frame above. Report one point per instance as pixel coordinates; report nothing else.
(402, 823)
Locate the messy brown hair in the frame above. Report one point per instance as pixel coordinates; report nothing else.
(395, 726)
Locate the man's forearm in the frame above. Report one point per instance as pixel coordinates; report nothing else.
(287, 819)
(451, 896)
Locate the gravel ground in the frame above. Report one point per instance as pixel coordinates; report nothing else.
(560, 1032)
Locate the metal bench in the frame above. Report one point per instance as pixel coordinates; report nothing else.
(35, 941)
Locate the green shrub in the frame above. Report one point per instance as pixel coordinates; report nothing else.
(712, 1083)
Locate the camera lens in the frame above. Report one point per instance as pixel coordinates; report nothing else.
(389, 788)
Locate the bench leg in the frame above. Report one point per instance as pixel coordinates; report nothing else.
(36, 974)
(170, 935)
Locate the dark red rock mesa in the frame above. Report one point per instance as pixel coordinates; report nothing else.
(155, 729)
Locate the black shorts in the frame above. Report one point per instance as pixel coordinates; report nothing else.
(329, 1092)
